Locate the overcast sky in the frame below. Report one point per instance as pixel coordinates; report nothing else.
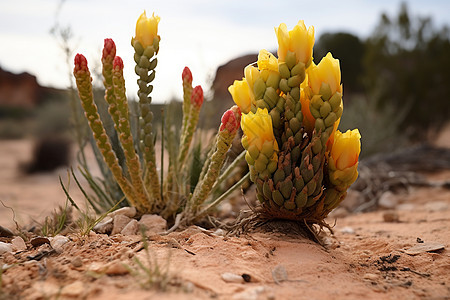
(198, 33)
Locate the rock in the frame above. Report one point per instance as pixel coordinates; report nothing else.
(105, 226)
(279, 274)
(129, 211)
(18, 244)
(5, 232)
(131, 228)
(116, 268)
(387, 200)
(5, 248)
(424, 247)
(406, 207)
(76, 289)
(77, 262)
(219, 232)
(250, 294)
(39, 240)
(231, 277)
(391, 217)
(58, 241)
(153, 223)
(370, 276)
(436, 206)
(347, 230)
(120, 221)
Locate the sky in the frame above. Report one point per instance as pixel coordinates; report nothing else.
(200, 34)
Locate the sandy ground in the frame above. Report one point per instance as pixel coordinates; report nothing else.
(366, 257)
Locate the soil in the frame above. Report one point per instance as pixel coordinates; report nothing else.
(367, 257)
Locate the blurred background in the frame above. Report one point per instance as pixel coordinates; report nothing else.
(394, 55)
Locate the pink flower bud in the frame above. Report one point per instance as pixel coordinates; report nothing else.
(231, 119)
(118, 63)
(187, 75)
(109, 49)
(197, 96)
(80, 63)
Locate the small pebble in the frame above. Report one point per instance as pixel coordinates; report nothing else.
(153, 223)
(131, 228)
(120, 221)
(5, 248)
(231, 277)
(77, 262)
(129, 211)
(39, 240)
(104, 226)
(75, 289)
(348, 230)
(387, 200)
(18, 244)
(279, 274)
(116, 268)
(424, 247)
(391, 217)
(5, 232)
(370, 276)
(58, 241)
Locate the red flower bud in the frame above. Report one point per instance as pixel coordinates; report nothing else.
(109, 49)
(118, 63)
(197, 96)
(80, 63)
(187, 75)
(231, 119)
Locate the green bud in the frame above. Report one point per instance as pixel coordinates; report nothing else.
(153, 63)
(298, 138)
(296, 152)
(338, 112)
(325, 91)
(284, 70)
(294, 81)
(259, 87)
(261, 104)
(311, 186)
(314, 112)
(316, 102)
(277, 198)
(249, 159)
(137, 47)
(276, 118)
(298, 69)
(311, 201)
(284, 85)
(281, 103)
(295, 93)
(325, 109)
(271, 97)
(301, 199)
(253, 151)
(151, 76)
(316, 145)
(244, 142)
(319, 125)
(144, 62)
(299, 184)
(260, 166)
(273, 80)
(266, 190)
(263, 159)
(307, 173)
(290, 59)
(149, 51)
(289, 205)
(329, 121)
(264, 174)
(335, 101)
(278, 176)
(267, 149)
(272, 166)
(289, 114)
(286, 188)
(137, 57)
(295, 124)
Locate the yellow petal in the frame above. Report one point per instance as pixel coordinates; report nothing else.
(147, 29)
(241, 95)
(258, 128)
(327, 71)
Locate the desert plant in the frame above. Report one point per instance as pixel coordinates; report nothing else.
(301, 164)
(129, 151)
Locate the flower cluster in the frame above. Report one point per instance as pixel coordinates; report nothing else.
(301, 164)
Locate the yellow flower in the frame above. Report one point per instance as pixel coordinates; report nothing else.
(299, 40)
(343, 160)
(241, 95)
(147, 29)
(327, 71)
(251, 75)
(258, 128)
(267, 61)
